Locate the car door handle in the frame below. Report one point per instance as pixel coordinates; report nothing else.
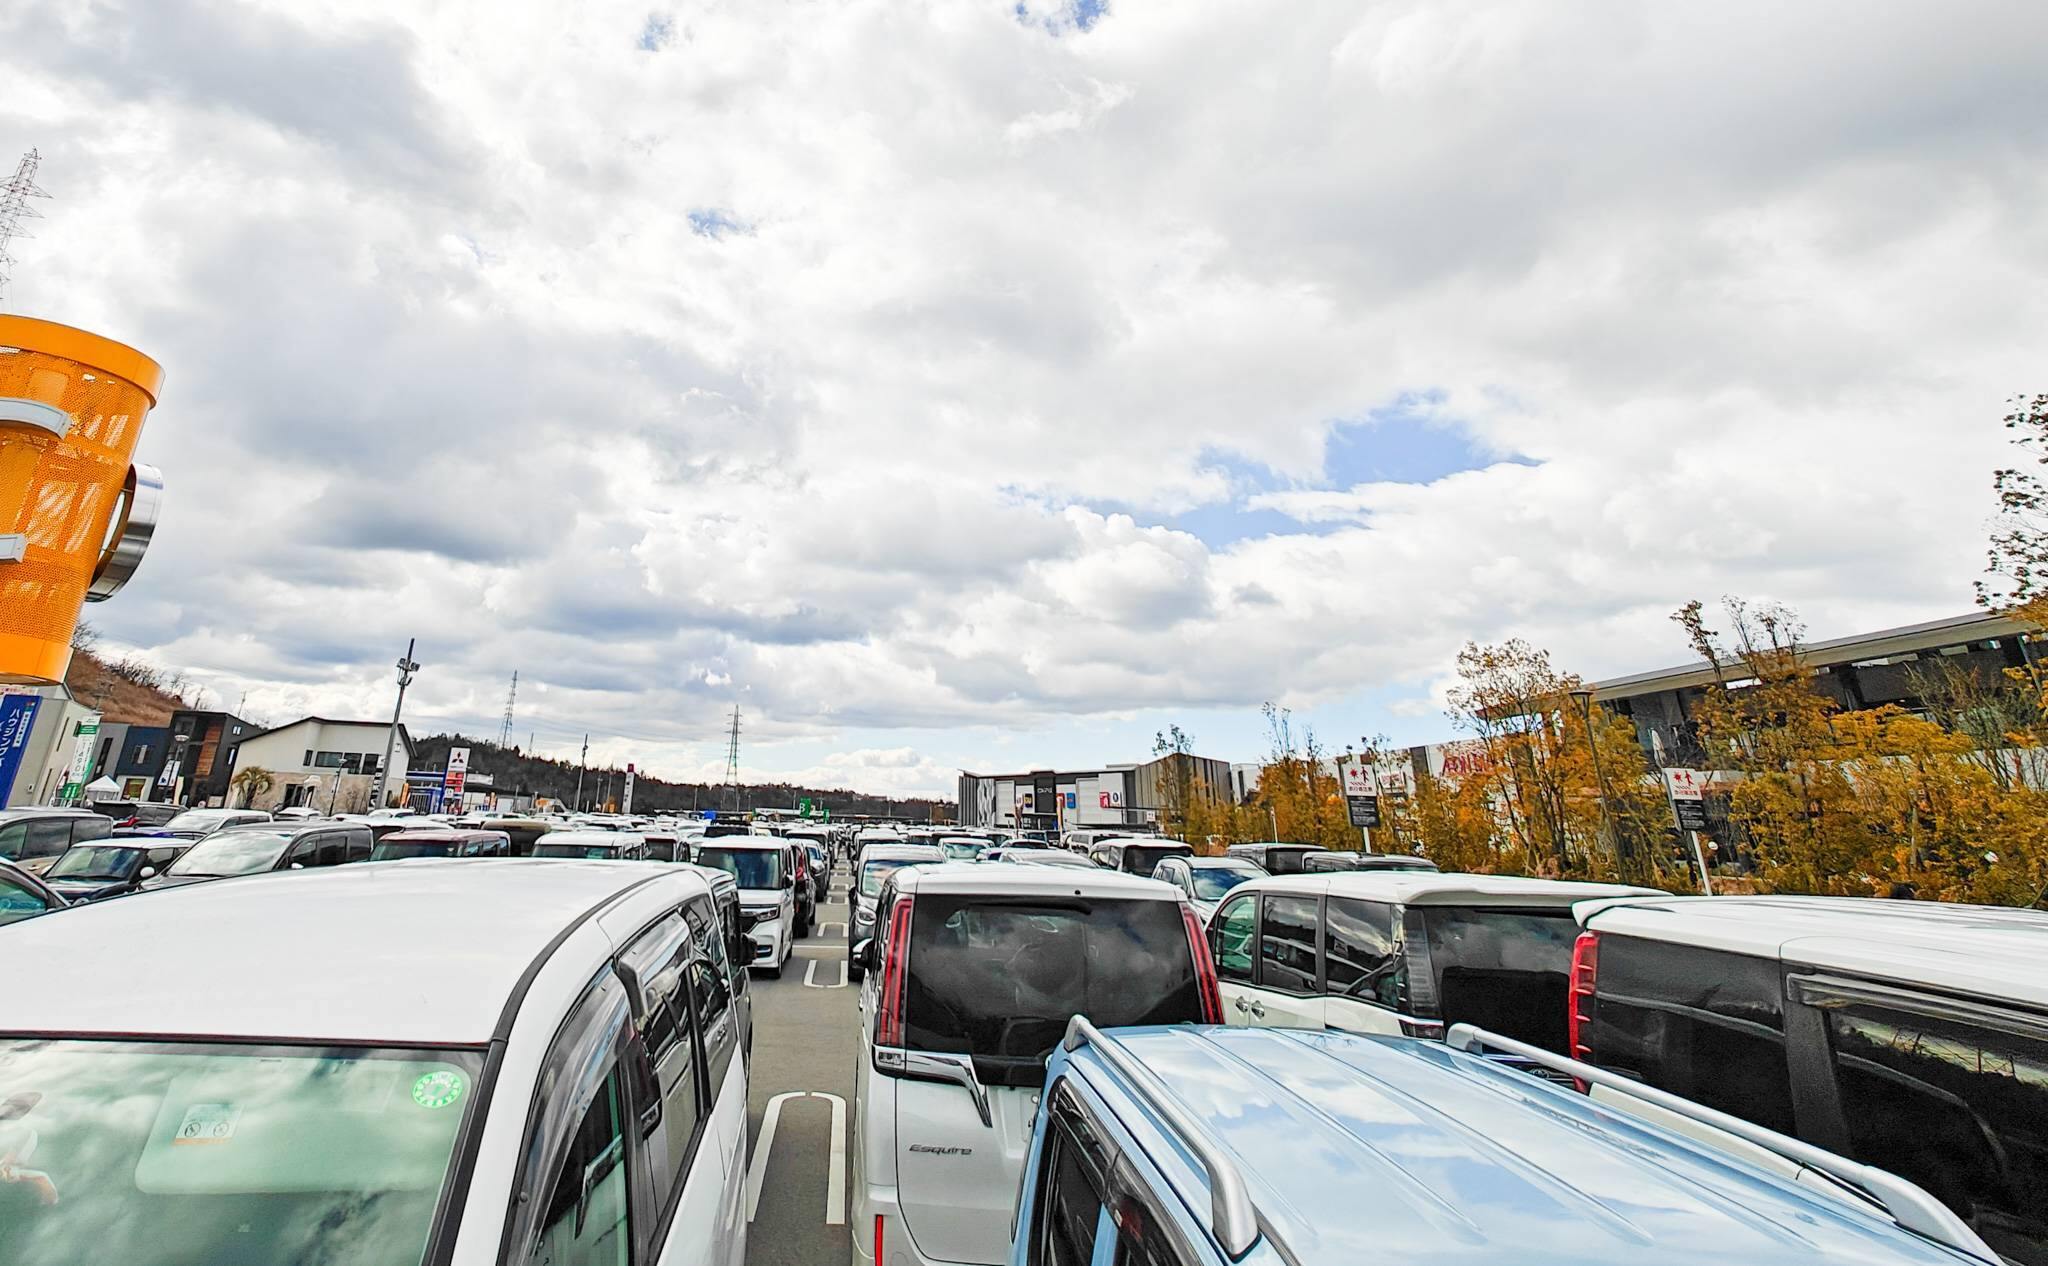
(1258, 1009)
(1239, 1004)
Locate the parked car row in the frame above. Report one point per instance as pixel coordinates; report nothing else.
(1043, 1077)
(1908, 1036)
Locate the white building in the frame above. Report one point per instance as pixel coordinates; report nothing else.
(327, 764)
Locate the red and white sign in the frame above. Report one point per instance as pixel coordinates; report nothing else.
(1686, 784)
(1358, 779)
(458, 772)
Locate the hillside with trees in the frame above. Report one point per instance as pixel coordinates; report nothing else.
(512, 770)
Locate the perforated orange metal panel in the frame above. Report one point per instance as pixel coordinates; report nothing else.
(61, 493)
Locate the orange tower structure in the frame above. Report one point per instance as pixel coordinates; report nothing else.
(76, 510)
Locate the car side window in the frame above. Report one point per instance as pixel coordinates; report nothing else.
(12, 837)
(333, 849)
(1705, 1024)
(160, 858)
(47, 837)
(304, 852)
(710, 982)
(1230, 938)
(1072, 1208)
(1361, 959)
(96, 827)
(1287, 943)
(1958, 1105)
(672, 1107)
(18, 901)
(356, 846)
(586, 1222)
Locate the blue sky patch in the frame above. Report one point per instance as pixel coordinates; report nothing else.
(713, 222)
(1081, 15)
(658, 33)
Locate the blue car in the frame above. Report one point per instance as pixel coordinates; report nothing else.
(1205, 1146)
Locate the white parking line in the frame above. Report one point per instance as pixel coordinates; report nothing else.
(835, 1176)
(836, 923)
(764, 1145)
(811, 975)
(835, 1173)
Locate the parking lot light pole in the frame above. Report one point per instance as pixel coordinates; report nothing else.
(406, 668)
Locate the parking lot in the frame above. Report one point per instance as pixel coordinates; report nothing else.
(804, 1047)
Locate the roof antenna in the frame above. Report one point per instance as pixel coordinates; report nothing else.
(14, 208)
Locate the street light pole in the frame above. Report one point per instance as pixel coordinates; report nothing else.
(1622, 860)
(406, 668)
(581, 761)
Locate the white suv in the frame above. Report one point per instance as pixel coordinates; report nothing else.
(978, 971)
(877, 863)
(324, 1066)
(760, 865)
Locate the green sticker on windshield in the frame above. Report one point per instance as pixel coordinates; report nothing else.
(437, 1090)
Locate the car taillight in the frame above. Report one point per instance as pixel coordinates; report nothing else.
(1585, 980)
(1205, 967)
(878, 1239)
(895, 977)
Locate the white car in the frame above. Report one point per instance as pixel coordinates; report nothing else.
(323, 1066)
(877, 863)
(760, 865)
(976, 974)
(592, 845)
(1205, 880)
(1402, 952)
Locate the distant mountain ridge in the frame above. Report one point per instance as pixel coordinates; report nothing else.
(514, 771)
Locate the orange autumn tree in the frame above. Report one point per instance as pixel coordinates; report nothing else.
(1566, 779)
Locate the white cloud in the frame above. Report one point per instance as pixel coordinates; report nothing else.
(448, 357)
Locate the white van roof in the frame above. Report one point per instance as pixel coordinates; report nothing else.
(1995, 952)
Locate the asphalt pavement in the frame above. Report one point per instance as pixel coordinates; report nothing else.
(802, 1078)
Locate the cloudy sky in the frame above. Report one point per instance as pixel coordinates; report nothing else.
(971, 383)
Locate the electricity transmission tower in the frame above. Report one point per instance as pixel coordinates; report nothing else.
(14, 208)
(505, 730)
(732, 763)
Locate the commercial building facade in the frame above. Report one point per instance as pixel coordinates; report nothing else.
(327, 764)
(1065, 800)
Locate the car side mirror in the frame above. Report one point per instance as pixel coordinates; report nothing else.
(298, 865)
(864, 951)
(147, 872)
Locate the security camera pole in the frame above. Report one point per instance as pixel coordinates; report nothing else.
(406, 668)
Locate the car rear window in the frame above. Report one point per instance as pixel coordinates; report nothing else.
(1505, 970)
(1000, 979)
(1141, 859)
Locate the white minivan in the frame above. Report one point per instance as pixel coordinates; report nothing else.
(390, 1094)
(760, 865)
(1404, 952)
(976, 974)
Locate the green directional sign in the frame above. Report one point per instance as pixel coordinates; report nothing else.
(803, 807)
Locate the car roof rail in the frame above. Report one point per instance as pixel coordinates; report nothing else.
(1233, 1219)
(1907, 1204)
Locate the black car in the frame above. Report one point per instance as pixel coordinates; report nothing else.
(821, 869)
(262, 846)
(109, 868)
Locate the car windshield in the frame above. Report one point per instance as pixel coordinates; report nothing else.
(224, 1155)
(1048, 857)
(588, 852)
(1211, 882)
(873, 873)
(401, 850)
(1000, 979)
(960, 850)
(97, 861)
(232, 853)
(750, 867)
